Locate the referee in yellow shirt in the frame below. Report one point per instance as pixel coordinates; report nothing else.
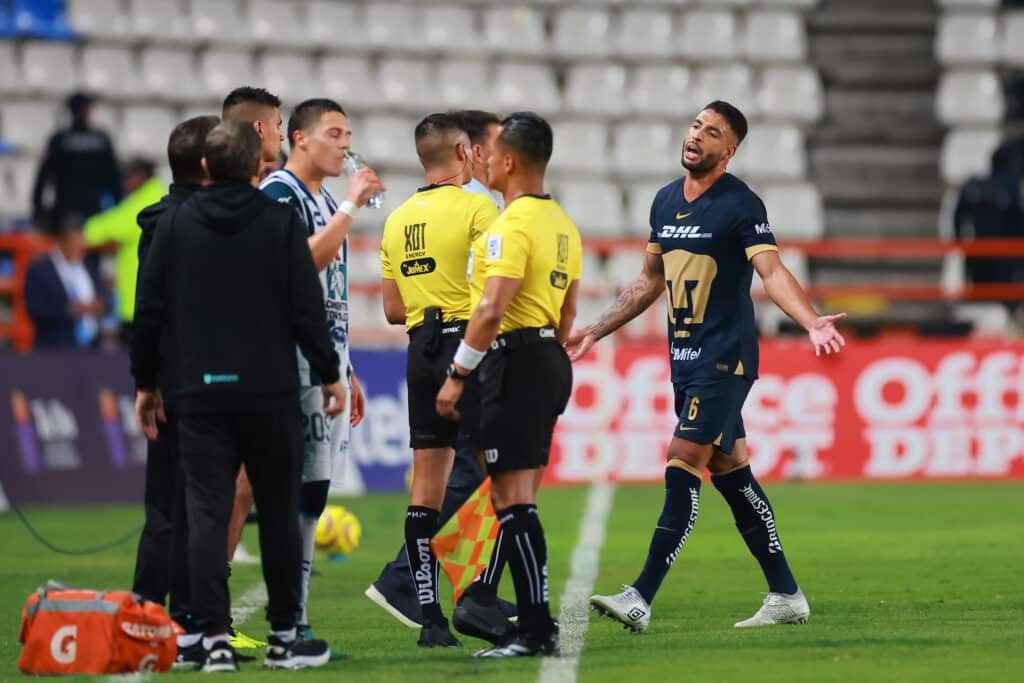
(424, 257)
(533, 258)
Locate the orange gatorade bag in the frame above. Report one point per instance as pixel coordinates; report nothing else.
(68, 631)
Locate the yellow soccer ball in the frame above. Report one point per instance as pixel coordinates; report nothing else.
(338, 531)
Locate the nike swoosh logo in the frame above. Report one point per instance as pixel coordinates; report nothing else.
(681, 216)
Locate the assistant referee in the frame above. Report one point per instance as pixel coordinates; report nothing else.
(424, 254)
(533, 260)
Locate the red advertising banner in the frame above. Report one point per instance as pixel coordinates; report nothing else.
(900, 408)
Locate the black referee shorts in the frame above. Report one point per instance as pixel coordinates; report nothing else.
(525, 381)
(425, 372)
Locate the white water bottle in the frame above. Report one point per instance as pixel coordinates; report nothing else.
(353, 162)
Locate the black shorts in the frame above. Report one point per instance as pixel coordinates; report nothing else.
(424, 376)
(524, 390)
(709, 410)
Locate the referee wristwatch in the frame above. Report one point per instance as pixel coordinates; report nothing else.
(454, 373)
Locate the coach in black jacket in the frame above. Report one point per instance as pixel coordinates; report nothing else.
(231, 276)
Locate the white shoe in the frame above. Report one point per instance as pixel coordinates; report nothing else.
(628, 608)
(780, 608)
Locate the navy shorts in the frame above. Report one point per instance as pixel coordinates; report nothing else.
(709, 410)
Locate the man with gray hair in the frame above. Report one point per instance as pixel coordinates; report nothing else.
(230, 276)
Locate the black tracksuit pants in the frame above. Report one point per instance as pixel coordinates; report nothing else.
(213, 446)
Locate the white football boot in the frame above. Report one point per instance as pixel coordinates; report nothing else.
(628, 608)
(780, 608)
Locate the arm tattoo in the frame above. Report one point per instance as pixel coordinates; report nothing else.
(631, 302)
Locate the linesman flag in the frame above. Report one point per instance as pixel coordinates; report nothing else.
(464, 544)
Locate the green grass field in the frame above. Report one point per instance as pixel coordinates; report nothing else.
(906, 583)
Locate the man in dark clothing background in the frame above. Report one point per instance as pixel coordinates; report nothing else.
(80, 166)
(161, 565)
(230, 274)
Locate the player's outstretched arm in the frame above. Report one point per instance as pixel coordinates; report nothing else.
(786, 292)
(633, 300)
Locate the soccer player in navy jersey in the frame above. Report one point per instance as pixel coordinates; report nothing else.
(709, 232)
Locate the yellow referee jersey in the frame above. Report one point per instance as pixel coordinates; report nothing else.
(425, 249)
(534, 241)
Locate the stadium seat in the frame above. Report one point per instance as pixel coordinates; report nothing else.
(515, 30)
(1012, 44)
(709, 34)
(107, 117)
(791, 93)
(622, 267)
(594, 205)
(966, 38)
(581, 147)
(98, 19)
(144, 131)
(968, 3)
(28, 124)
(389, 25)
(595, 279)
(526, 86)
(160, 20)
(222, 70)
(450, 28)
(795, 211)
(466, 83)
(348, 79)
(647, 148)
(646, 33)
(366, 312)
(774, 152)
(639, 196)
(582, 32)
(663, 90)
(110, 71)
(967, 152)
(21, 181)
(732, 82)
(363, 266)
(49, 67)
(221, 22)
(596, 88)
(333, 24)
(970, 96)
(774, 36)
(10, 75)
(408, 84)
(388, 141)
(277, 23)
(277, 73)
(165, 70)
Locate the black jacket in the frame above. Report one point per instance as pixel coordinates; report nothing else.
(49, 305)
(230, 273)
(80, 165)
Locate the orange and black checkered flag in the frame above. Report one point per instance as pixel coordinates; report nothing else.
(463, 545)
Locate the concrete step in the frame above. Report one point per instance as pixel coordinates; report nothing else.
(856, 221)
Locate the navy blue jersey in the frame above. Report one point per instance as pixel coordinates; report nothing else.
(706, 246)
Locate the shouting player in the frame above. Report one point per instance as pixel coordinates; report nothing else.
(709, 232)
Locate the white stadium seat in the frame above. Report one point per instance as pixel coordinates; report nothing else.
(648, 148)
(970, 96)
(10, 74)
(639, 197)
(408, 84)
(582, 32)
(791, 93)
(1012, 44)
(795, 211)
(364, 266)
(28, 124)
(107, 117)
(968, 3)
(665, 90)
(594, 205)
(160, 20)
(775, 36)
(774, 152)
(580, 147)
(520, 86)
(967, 38)
(450, 28)
(596, 88)
(282, 74)
(144, 131)
(466, 83)
(645, 32)
(49, 67)
(223, 70)
(349, 80)
(110, 71)
(732, 82)
(277, 23)
(389, 141)
(220, 22)
(99, 19)
(165, 71)
(333, 24)
(967, 152)
(389, 25)
(709, 34)
(21, 181)
(515, 29)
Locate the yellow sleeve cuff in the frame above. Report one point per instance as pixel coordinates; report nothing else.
(653, 248)
(758, 248)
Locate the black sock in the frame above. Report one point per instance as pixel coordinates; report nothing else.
(678, 515)
(755, 521)
(527, 555)
(420, 527)
(485, 588)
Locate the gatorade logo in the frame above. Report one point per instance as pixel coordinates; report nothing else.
(146, 631)
(148, 663)
(64, 644)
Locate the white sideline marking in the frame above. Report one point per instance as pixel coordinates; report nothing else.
(250, 601)
(573, 616)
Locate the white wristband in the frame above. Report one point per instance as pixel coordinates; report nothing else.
(468, 357)
(349, 208)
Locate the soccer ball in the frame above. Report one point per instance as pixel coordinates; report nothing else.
(338, 531)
